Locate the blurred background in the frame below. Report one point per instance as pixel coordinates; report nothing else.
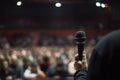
(36, 36)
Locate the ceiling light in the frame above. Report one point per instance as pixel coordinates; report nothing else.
(98, 4)
(58, 4)
(103, 5)
(19, 3)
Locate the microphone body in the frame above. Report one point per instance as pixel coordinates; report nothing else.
(80, 51)
(80, 38)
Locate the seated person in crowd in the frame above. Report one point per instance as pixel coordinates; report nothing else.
(18, 70)
(45, 64)
(58, 70)
(5, 71)
(34, 72)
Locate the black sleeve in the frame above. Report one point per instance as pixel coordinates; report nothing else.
(80, 75)
(95, 67)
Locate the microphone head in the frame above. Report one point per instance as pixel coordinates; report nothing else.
(80, 37)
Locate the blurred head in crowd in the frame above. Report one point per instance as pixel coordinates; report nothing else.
(5, 72)
(58, 70)
(59, 65)
(45, 63)
(26, 63)
(1, 57)
(33, 67)
(5, 65)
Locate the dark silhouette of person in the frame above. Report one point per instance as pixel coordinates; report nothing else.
(104, 62)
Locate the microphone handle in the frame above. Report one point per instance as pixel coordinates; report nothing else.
(80, 51)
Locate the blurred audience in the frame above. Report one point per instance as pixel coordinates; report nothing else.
(58, 70)
(52, 57)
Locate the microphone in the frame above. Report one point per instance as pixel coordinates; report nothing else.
(80, 38)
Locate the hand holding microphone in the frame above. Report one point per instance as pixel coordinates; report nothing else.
(80, 38)
(80, 58)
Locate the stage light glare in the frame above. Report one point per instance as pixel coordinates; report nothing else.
(103, 5)
(19, 3)
(98, 4)
(58, 4)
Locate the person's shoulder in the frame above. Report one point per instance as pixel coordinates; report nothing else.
(112, 34)
(111, 37)
(11, 71)
(110, 40)
(52, 67)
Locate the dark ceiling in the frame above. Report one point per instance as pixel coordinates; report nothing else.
(73, 13)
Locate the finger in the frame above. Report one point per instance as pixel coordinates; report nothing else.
(84, 56)
(76, 57)
(77, 65)
(84, 64)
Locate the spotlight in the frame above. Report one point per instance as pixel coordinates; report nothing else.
(98, 4)
(19, 3)
(103, 5)
(58, 4)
